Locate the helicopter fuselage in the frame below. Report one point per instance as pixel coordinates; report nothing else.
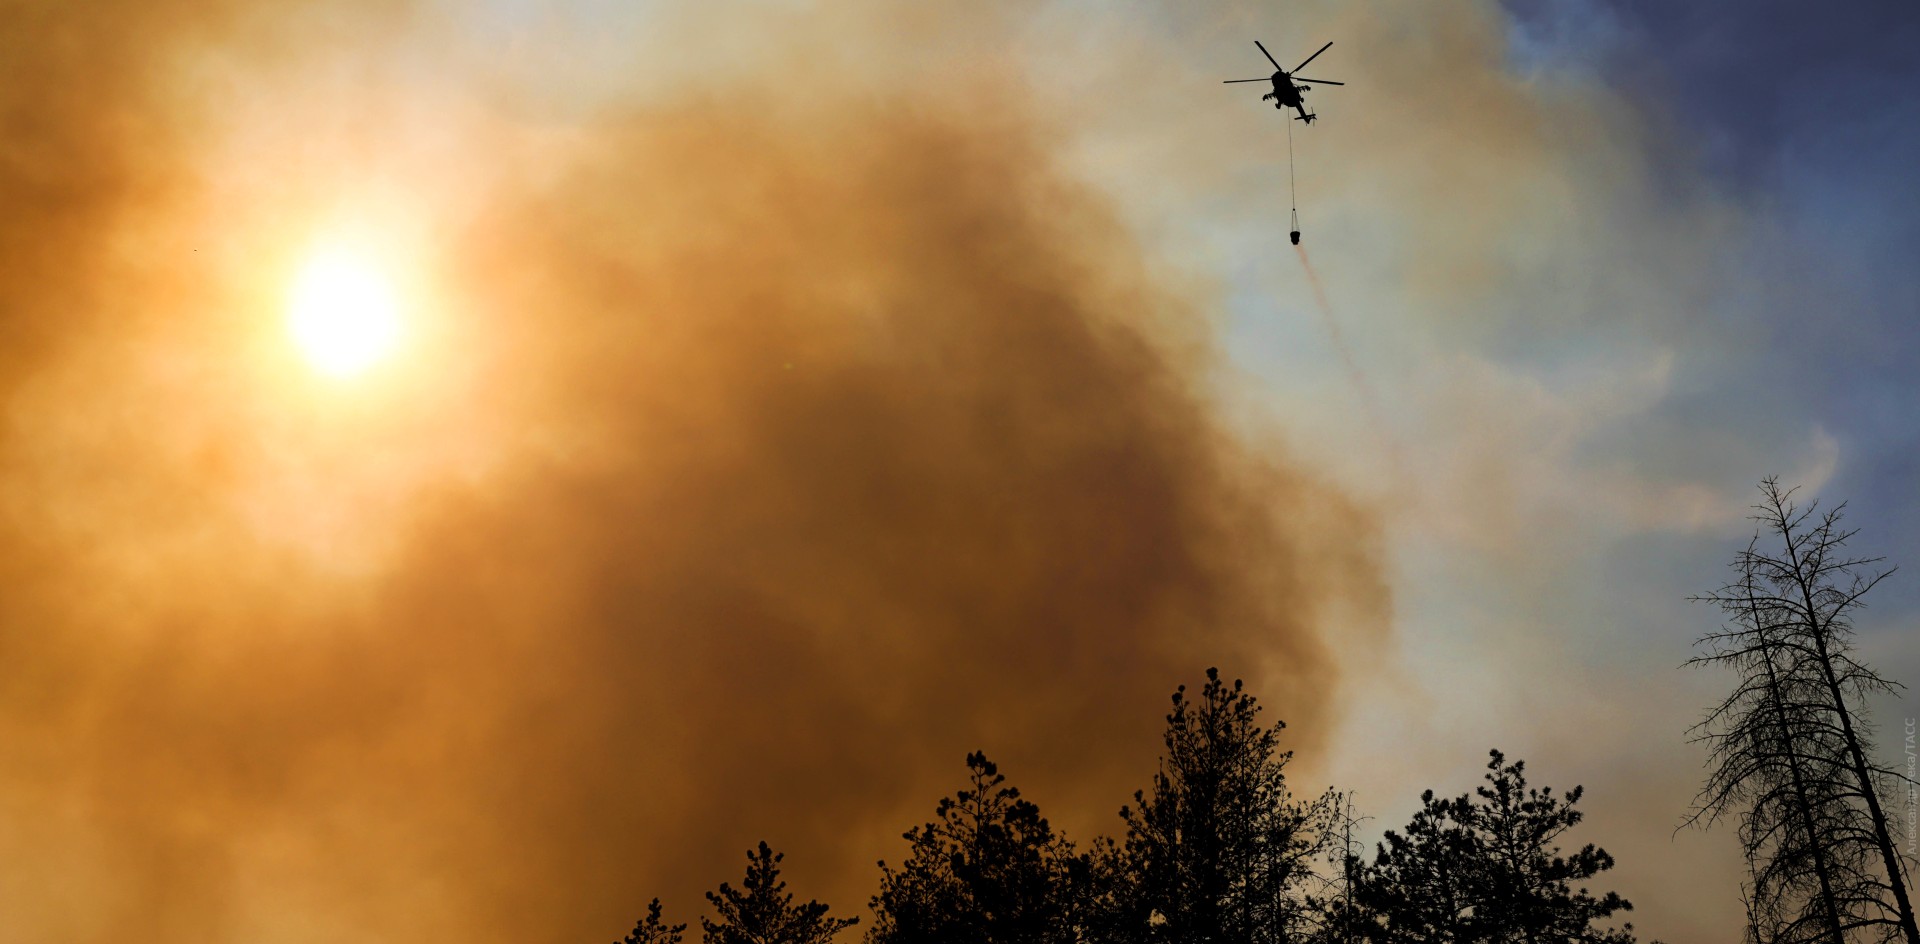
(1287, 92)
(1287, 95)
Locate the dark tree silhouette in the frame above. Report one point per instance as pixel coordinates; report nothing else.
(1785, 751)
(1533, 893)
(1775, 768)
(988, 868)
(652, 930)
(1486, 868)
(1336, 917)
(1220, 850)
(762, 910)
(1111, 912)
(1418, 887)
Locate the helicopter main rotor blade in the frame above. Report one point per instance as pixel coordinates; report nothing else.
(1302, 78)
(1264, 52)
(1304, 62)
(1231, 81)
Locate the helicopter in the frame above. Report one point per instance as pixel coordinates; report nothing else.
(1286, 94)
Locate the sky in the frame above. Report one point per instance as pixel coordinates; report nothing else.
(787, 398)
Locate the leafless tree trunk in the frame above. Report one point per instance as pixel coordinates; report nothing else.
(1829, 586)
(1786, 745)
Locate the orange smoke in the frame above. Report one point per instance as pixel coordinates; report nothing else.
(764, 461)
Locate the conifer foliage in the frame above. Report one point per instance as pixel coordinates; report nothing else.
(762, 911)
(1217, 850)
(988, 868)
(652, 930)
(1487, 867)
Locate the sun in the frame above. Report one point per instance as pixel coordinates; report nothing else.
(342, 313)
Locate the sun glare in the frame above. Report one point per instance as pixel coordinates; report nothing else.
(342, 314)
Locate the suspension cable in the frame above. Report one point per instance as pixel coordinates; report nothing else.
(1293, 194)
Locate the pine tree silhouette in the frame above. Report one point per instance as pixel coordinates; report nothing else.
(988, 868)
(762, 911)
(1487, 867)
(652, 930)
(1220, 848)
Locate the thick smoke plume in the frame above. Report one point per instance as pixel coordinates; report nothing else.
(747, 466)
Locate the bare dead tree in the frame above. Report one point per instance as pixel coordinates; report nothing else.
(1785, 749)
(1758, 768)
